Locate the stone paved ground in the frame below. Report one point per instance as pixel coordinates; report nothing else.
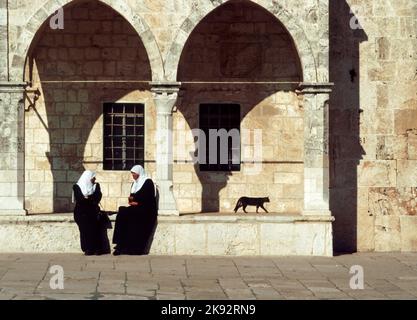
(387, 276)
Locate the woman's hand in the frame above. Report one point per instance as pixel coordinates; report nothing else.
(134, 203)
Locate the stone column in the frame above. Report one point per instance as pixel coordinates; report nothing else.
(12, 173)
(165, 95)
(316, 148)
(4, 68)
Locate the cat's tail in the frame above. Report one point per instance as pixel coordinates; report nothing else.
(238, 205)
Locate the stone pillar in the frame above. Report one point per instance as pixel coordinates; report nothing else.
(12, 173)
(316, 148)
(165, 95)
(4, 52)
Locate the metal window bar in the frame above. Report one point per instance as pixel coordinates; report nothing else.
(134, 133)
(124, 136)
(112, 133)
(220, 116)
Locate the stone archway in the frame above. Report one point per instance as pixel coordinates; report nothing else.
(313, 88)
(240, 54)
(204, 7)
(98, 57)
(120, 6)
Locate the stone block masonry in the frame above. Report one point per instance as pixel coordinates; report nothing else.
(347, 150)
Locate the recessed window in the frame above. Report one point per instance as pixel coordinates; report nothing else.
(219, 149)
(124, 135)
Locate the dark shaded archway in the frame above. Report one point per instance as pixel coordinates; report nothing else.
(239, 53)
(98, 57)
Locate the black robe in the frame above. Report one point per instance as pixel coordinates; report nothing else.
(135, 224)
(93, 234)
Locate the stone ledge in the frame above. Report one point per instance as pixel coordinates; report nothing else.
(184, 218)
(9, 86)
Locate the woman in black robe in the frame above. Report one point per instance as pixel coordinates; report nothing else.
(87, 196)
(135, 224)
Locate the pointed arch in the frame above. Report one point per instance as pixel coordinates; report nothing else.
(51, 6)
(205, 7)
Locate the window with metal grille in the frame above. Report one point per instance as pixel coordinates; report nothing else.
(124, 135)
(221, 154)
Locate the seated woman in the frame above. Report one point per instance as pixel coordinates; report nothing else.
(87, 196)
(135, 224)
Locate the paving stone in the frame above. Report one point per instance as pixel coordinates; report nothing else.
(29, 297)
(70, 286)
(111, 286)
(286, 285)
(140, 292)
(170, 296)
(113, 275)
(142, 285)
(319, 286)
(66, 296)
(122, 297)
(240, 294)
(233, 284)
(205, 296)
(213, 289)
(112, 278)
(366, 295)
(170, 291)
(258, 283)
(199, 283)
(266, 294)
(24, 275)
(6, 296)
(170, 285)
(400, 295)
(81, 275)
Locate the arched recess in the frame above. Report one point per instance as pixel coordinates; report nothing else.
(242, 56)
(204, 7)
(28, 34)
(98, 57)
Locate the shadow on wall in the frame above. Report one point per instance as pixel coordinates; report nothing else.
(345, 145)
(237, 42)
(96, 44)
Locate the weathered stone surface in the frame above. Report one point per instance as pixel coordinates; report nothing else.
(387, 233)
(392, 201)
(405, 120)
(406, 173)
(408, 226)
(377, 173)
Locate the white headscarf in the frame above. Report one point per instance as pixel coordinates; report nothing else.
(85, 184)
(139, 182)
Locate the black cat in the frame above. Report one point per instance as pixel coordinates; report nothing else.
(246, 201)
